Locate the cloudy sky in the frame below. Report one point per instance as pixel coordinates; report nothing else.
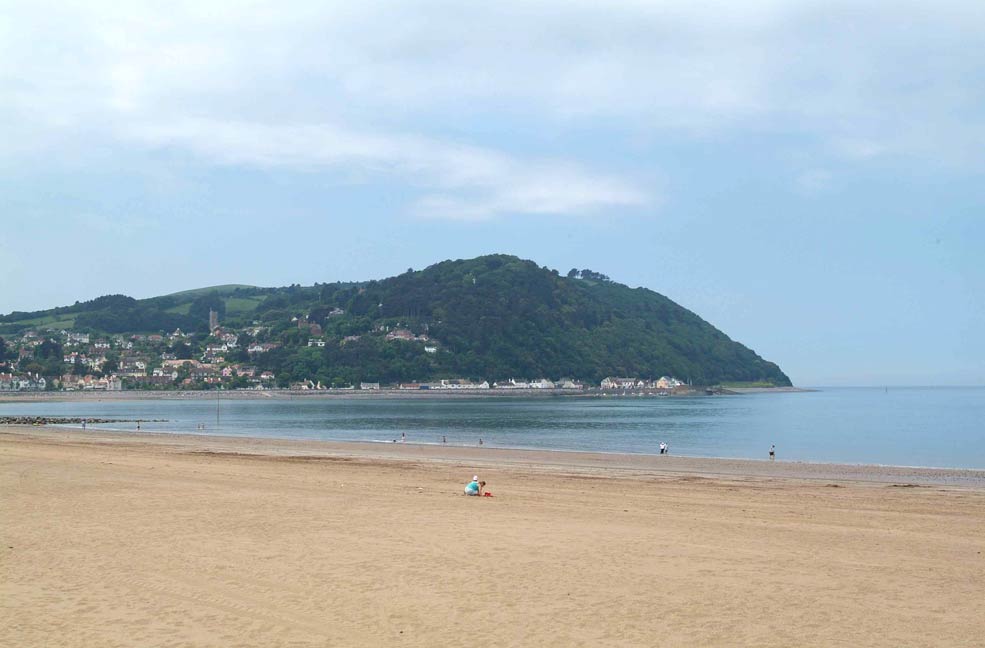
(809, 177)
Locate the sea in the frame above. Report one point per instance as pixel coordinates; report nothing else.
(904, 426)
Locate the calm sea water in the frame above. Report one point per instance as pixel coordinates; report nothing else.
(942, 427)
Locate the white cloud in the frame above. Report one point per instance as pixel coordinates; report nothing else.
(406, 90)
(492, 183)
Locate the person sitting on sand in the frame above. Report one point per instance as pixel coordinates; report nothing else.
(474, 487)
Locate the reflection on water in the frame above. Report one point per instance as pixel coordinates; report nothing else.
(913, 426)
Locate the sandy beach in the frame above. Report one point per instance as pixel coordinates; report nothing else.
(113, 539)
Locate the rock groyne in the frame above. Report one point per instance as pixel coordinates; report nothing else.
(68, 420)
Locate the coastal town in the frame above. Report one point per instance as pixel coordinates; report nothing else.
(40, 360)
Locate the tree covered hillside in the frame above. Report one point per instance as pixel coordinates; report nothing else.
(500, 316)
(493, 318)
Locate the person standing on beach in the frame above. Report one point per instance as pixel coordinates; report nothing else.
(773, 452)
(663, 448)
(83, 425)
(403, 437)
(444, 439)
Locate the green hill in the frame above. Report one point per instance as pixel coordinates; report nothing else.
(493, 317)
(225, 289)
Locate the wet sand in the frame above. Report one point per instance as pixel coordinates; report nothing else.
(117, 539)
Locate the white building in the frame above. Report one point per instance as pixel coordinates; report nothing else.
(621, 383)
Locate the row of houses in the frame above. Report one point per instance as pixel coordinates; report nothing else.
(664, 382)
(74, 338)
(210, 373)
(91, 383)
(450, 384)
(22, 382)
(543, 383)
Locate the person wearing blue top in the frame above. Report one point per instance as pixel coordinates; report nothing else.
(474, 487)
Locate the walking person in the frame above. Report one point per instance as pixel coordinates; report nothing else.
(773, 452)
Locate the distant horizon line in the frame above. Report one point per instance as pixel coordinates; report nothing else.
(969, 386)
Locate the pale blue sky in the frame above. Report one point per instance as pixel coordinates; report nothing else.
(808, 177)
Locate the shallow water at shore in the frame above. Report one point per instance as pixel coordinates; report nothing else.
(941, 427)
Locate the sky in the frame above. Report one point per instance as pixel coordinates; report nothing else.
(809, 177)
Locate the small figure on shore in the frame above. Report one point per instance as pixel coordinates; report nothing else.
(474, 487)
(773, 452)
(663, 448)
(403, 437)
(138, 425)
(444, 439)
(83, 425)
(480, 440)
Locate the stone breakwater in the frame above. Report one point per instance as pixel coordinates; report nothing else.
(68, 420)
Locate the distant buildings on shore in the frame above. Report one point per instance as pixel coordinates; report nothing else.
(662, 384)
(68, 360)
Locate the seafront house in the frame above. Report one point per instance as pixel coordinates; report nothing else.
(460, 383)
(621, 383)
(667, 382)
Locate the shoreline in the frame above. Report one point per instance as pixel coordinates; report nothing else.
(288, 394)
(839, 466)
(599, 464)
